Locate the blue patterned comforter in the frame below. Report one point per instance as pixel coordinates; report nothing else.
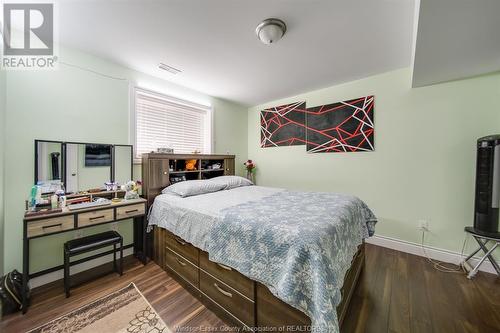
(298, 244)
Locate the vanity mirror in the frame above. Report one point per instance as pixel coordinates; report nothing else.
(81, 166)
(88, 166)
(48, 164)
(123, 160)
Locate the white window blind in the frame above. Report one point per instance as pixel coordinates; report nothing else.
(164, 121)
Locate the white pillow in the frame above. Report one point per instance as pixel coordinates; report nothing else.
(193, 187)
(230, 182)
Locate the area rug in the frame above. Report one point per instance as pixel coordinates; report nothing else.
(124, 311)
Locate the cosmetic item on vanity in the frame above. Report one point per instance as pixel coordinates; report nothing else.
(38, 196)
(111, 186)
(33, 196)
(61, 198)
(54, 201)
(77, 200)
(62, 201)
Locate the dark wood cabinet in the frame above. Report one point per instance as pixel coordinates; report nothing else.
(158, 169)
(229, 166)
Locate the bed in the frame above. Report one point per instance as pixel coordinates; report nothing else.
(265, 257)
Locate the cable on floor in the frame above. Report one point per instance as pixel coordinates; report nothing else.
(437, 265)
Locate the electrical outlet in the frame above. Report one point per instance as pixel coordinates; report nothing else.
(423, 225)
(114, 226)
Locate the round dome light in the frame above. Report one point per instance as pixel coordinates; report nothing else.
(270, 30)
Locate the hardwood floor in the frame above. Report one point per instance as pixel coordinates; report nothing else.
(400, 292)
(397, 292)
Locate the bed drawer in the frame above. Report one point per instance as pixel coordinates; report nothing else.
(228, 298)
(182, 267)
(96, 217)
(228, 275)
(50, 226)
(274, 313)
(350, 279)
(182, 247)
(130, 211)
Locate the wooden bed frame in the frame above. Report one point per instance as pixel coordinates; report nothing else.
(231, 295)
(235, 298)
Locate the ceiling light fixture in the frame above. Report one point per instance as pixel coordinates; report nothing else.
(270, 30)
(168, 68)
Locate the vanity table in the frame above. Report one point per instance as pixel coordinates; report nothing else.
(66, 220)
(81, 166)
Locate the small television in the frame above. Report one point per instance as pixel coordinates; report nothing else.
(97, 155)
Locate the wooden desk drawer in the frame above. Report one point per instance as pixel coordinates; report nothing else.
(96, 217)
(50, 225)
(229, 276)
(182, 247)
(130, 211)
(235, 303)
(182, 267)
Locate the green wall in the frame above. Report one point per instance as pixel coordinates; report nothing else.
(231, 132)
(2, 145)
(72, 104)
(424, 163)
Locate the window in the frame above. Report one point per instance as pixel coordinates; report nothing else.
(164, 121)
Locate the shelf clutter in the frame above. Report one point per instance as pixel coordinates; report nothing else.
(161, 170)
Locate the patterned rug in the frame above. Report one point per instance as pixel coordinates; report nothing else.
(124, 311)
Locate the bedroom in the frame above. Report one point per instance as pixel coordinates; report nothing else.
(177, 95)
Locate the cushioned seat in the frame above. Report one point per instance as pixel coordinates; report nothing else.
(91, 242)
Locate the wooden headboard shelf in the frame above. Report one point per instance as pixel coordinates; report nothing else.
(160, 170)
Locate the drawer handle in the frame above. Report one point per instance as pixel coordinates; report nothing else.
(97, 217)
(180, 262)
(52, 226)
(131, 211)
(223, 292)
(225, 267)
(180, 241)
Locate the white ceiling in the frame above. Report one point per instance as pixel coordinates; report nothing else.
(456, 39)
(214, 44)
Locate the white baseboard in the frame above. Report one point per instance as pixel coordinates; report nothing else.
(58, 275)
(433, 252)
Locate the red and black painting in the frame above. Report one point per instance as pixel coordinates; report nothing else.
(283, 125)
(341, 127)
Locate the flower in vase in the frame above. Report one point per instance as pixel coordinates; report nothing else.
(249, 165)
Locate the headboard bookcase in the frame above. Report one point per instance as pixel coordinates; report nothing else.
(160, 170)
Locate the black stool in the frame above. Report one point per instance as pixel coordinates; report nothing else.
(90, 243)
(483, 239)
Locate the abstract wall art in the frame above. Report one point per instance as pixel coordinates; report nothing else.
(283, 125)
(346, 126)
(341, 127)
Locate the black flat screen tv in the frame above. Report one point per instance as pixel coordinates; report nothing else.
(97, 155)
